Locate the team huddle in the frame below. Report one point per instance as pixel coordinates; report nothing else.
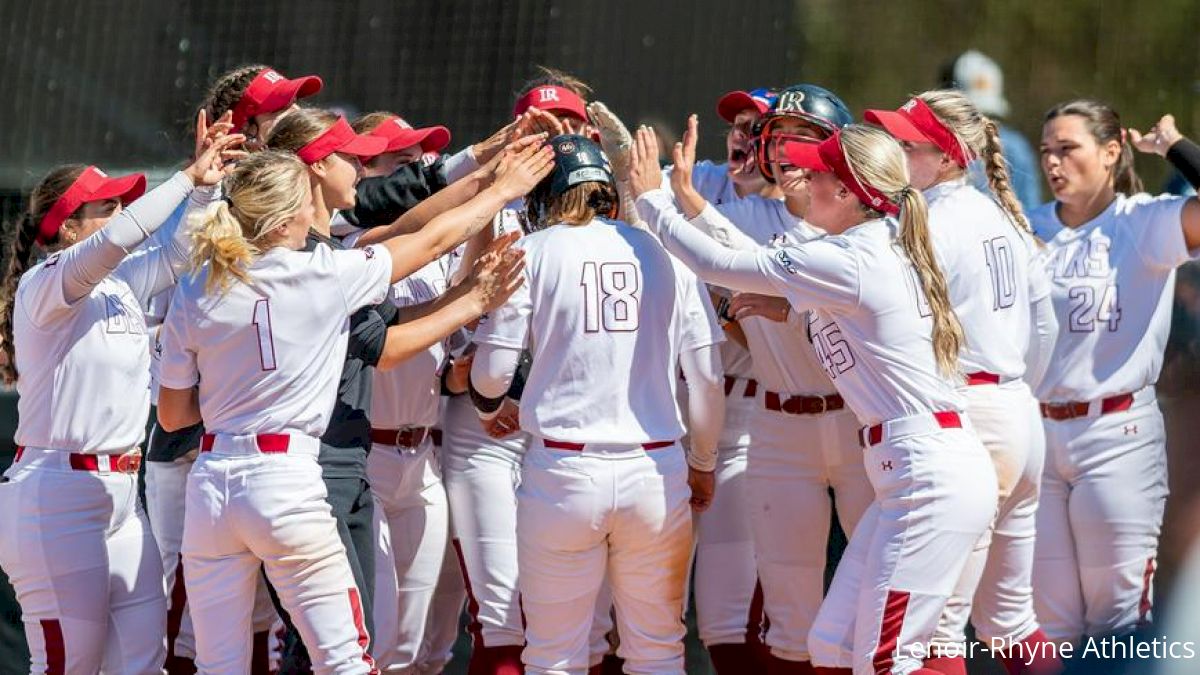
(568, 384)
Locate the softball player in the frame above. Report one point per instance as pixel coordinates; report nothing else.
(1105, 481)
(74, 539)
(481, 471)
(255, 492)
(797, 398)
(890, 350)
(1001, 296)
(604, 486)
(402, 467)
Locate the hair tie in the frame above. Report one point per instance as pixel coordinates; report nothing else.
(228, 200)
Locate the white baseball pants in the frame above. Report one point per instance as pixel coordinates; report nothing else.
(246, 508)
(582, 518)
(935, 495)
(81, 558)
(1104, 489)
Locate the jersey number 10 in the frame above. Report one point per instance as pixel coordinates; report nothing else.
(266, 342)
(610, 297)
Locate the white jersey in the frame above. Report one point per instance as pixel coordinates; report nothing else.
(410, 393)
(1113, 282)
(606, 313)
(784, 360)
(267, 356)
(992, 274)
(869, 321)
(84, 366)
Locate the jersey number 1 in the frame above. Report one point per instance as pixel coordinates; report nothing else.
(610, 297)
(266, 342)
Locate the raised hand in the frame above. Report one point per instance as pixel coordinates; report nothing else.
(506, 422)
(644, 172)
(1159, 139)
(769, 307)
(614, 137)
(521, 169)
(683, 156)
(498, 273)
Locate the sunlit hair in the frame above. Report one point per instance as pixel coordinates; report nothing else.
(1104, 125)
(265, 191)
(299, 127)
(878, 160)
(979, 134)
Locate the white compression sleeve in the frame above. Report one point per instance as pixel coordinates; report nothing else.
(706, 404)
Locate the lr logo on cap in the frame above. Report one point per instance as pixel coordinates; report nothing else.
(547, 95)
(272, 76)
(402, 124)
(908, 107)
(791, 101)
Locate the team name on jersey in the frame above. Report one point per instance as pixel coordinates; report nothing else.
(1086, 258)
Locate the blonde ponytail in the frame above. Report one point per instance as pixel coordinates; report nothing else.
(876, 159)
(979, 134)
(915, 240)
(264, 192)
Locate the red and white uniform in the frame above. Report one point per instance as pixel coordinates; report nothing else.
(995, 280)
(266, 359)
(1105, 481)
(788, 481)
(934, 487)
(603, 489)
(74, 539)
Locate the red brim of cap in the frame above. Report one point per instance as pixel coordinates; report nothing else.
(362, 145)
(431, 139)
(287, 92)
(897, 125)
(735, 102)
(125, 188)
(805, 156)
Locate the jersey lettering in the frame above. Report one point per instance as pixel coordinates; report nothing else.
(1083, 259)
(611, 293)
(1086, 311)
(832, 349)
(266, 341)
(998, 255)
(914, 284)
(119, 319)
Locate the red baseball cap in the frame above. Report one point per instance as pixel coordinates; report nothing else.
(93, 185)
(729, 105)
(271, 92)
(916, 122)
(400, 134)
(829, 157)
(339, 137)
(552, 98)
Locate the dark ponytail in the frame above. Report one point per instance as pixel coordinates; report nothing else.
(21, 251)
(1105, 125)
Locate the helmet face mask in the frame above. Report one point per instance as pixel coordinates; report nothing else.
(816, 108)
(577, 160)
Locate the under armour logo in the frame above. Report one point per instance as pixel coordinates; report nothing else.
(1130, 429)
(548, 94)
(886, 465)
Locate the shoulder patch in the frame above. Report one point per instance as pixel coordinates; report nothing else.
(51, 261)
(369, 251)
(785, 261)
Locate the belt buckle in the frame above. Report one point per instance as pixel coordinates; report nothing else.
(128, 462)
(824, 405)
(406, 430)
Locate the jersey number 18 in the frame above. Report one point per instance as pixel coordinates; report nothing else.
(610, 297)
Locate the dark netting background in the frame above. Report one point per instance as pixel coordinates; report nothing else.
(116, 83)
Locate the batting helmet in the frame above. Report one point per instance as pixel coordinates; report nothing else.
(808, 102)
(576, 160)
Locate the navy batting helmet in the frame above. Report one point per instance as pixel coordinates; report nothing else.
(577, 160)
(808, 102)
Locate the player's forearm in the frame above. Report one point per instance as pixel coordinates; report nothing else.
(1044, 325)
(493, 369)
(446, 231)
(436, 321)
(178, 408)
(712, 222)
(90, 261)
(713, 263)
(706, 404)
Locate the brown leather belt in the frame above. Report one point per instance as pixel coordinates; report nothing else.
(802, 405)
(1073, 409)
(409, 437)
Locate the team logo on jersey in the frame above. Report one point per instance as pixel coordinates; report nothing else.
(547, 94)
(785, 262)
(369, 252)
(791, 101)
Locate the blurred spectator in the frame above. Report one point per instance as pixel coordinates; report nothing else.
(981, 79)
